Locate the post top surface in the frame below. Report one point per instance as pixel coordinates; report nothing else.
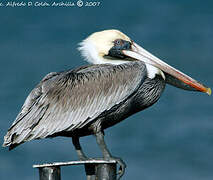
(70, 163)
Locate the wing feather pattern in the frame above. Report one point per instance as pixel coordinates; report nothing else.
(71, 99)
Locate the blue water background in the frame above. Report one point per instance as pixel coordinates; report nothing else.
(171, 140)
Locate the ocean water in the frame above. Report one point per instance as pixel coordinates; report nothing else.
(171, 140)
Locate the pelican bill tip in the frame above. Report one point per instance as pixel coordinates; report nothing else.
(209, 91)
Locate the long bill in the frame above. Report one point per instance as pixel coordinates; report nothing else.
(138, 53)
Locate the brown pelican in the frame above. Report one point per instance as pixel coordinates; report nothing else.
(124, 79)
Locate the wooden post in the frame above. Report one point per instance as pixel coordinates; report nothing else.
(49, 173)
(106, 171)
(96, 169)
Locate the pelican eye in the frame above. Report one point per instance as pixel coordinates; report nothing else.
(119, 45)
(118, 42)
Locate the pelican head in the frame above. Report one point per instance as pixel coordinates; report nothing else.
(114, 47)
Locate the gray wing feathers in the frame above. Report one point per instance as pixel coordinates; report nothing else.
(29, 115)
(69, 100)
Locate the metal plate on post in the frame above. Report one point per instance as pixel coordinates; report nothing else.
(70, 163)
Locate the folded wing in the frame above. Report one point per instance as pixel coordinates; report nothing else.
(70, 100)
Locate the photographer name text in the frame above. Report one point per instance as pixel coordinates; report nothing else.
(78, 3)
